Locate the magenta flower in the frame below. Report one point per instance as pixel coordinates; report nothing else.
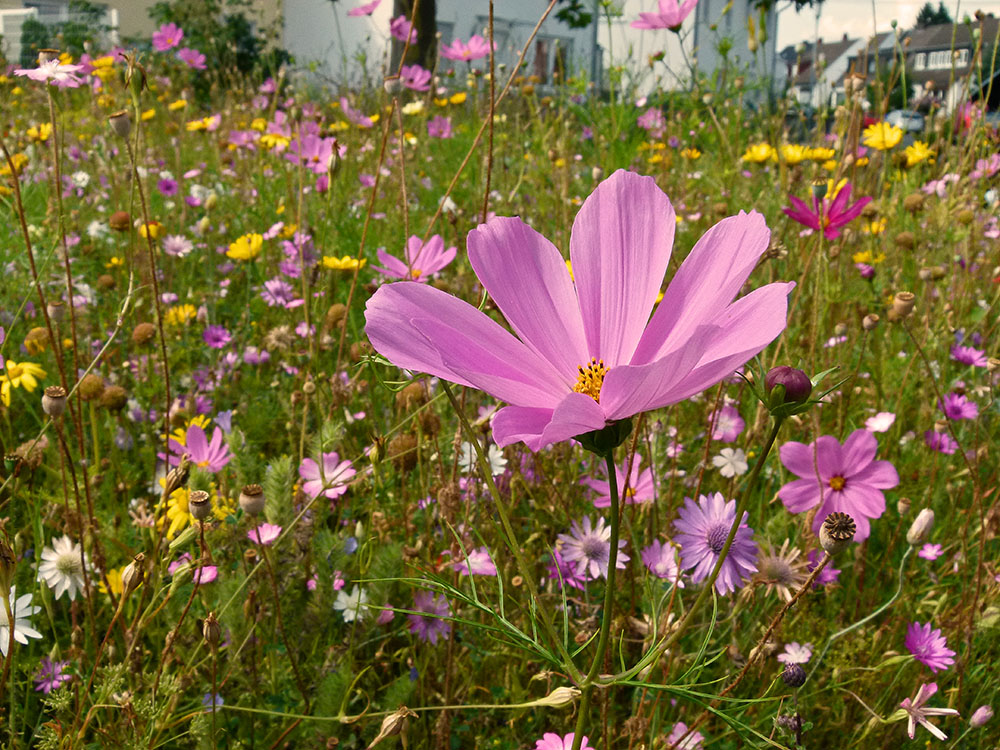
(969, 355)
(844, 478)
(588, 546)
(166, 37)
(917, 714)
(316, 154)
(330, 480)
(50, 675)
(355, 116)
(653, 121)
(59, 75)
(670, 16)
(429, 628)
(211, 456)
(552, 741)
(564, 573)
(439, 127)
(422, 260)
(265, 534)
(415, 77)
(364, 10)
(704, 528)
(957, 406)
(828, 215)
(477, 563)
(931, 551)
(638, 490)
(400, 28)
(192, 58)
(929, 647)
(692, 742)
(728, 424)
(828, 575)
(476, 49)
(661, 559)
(941, 442)
(216, 336)
(586, 352)
(204, 575)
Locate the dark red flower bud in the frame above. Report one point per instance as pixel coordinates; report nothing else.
(797, 384)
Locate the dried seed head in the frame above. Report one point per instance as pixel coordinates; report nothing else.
(402, 451)
(837, 532)
(932, 273)
(903, 506)
(143, 333)
(252, 499)
(134, 574)
(54, 401)
(992, 364)
(392, 725)
(114, 398)
(902, 306)
(870, 322)
(336, 314)
(121, 123)
(177, 477)
(47, 55)
(211, 630)
(120, 221)
(412, 396)
(920, 528)
(91, 387)
(56, 310)
(106, 281)
(8, 566)
(906, 240)
(966, 216)
(200, 505)
(794, 676)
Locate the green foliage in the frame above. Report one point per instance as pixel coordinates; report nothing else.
(928, 15)
(35, 35)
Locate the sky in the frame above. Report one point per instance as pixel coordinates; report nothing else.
(861, 18)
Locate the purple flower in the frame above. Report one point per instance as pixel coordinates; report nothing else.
(691, 742)
(439, 127)
(828, 215)
(212, 702)
(330, 480)
(704, 527)
(279, 293)
(59, 75)
(638, 489)
(652, 120)
(796, 653)
(429, 628)
(564, 573)
(192, 58)
(400, 28)
(355, 116)
(422, 260)
(589, 548)
(364, 10)
(415, 77)
(211, 456)
(931, 551)
(941, 442)
(50, 675)
(265, 534)
(313, 152)
(177, 245)
(957, 406)
(828, 575)
(587, 352)
(917, 714)
(968, 355)
(552, 741)
(844, 478)
(204, 575)
(166, 37)
(661, 559)
(670, 16)
(478, 563)
(929, 647)
(476, 49)
(728, 424)
(167, 186)
(216, 336)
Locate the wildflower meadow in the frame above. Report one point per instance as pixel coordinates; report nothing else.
(466, 410)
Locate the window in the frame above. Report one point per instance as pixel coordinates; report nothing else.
(942, 59)
(920, 61)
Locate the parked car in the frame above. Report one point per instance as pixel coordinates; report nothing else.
(907, 119)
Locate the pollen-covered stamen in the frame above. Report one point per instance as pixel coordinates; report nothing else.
(416, 273)
(837, 483)
(591, 378)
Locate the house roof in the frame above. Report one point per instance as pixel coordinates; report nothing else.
(827, 52)
(939, 36)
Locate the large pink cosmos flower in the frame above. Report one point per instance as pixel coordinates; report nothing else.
(586, 352)
(166, 37)
(56, 73)
(476, 49)
(828, 215)
(212, 456)
(365, 9)
(422, 260)
(844, 478)
(670, 16)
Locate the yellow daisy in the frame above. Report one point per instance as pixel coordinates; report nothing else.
(246, 247)
(882, 136)
(18, 375)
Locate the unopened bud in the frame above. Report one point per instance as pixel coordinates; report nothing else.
(121, 123)
(837, 532)
(795, 384)
(54, 401)
(211, 630)
(561, 696)
(870, 322)
(200, 505)
(992, 364)
(252, 499)
(8, 566)
(980, 717)
(177, 477)
(794, 676)
(819, 189)
(392, 725)
(597, 174)
(920, 528)
(56, 310)
(133, 574)
(903, 506)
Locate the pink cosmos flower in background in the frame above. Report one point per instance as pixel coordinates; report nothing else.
(728, 424)
(586, 352)
(986, 167)
(931, 551)
(265, 534)
(364, 10)
(929, 647)
(828, 215)
(881, 422)
(638, 490)
(204, 575)
(940, 187)
(400, 27)
(355, 116)
(917, 714)
(192, 58)
(670, 15)
(439, 127)
(844, 478)
(941, 442)
(210, 456)
(553, 741)
(704, 527)
(58, 74)
(957, 406)
(691, 742)
(415, 77)
(477, 563)
(166, 37)
(796, 653)
(653, 121)
(422, 260)
(476, 49)
(330, 480)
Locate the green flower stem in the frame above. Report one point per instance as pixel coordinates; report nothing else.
(515, 548)
(607, 615)
(867, 618)
(657, 651)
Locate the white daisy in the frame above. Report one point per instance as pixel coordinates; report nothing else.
(731, 462)
(353, 605)
(62, 567)
(881, 422)
(22, 609)
(468, 460)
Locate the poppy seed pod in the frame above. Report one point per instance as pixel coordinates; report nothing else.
(56, 310)
(114, 398)
(47, 55)
(121, 123)
(920, 527)
(177, 477)
(252, 499)
(200, 505)
(902, 306)
(837, 532)
(54, 401)
(120, 221)
(870, 322)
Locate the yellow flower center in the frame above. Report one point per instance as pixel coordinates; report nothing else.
(416, 273)
(837, 483)
(591, 378)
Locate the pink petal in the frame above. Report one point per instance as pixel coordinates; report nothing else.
(800, 495)
(528, 279)
(798, 459)
(707, 281)
(881, 475)
(619, 249)
(513, 424)
(575, 415)
(197, 444)
(858, 451)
